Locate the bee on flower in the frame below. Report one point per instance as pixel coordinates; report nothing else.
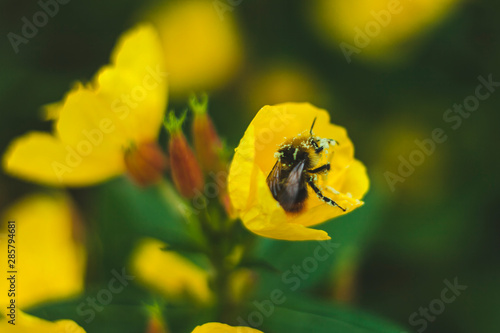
(287, 175)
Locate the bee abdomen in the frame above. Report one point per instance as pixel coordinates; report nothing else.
(292, 204)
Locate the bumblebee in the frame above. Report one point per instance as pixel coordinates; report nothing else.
(297, 168)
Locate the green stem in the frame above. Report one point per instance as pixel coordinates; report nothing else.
(220, 245)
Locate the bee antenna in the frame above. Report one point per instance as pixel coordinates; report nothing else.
(311, 130)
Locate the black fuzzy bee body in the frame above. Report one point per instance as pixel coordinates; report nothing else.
(287, 180)
(295, 170)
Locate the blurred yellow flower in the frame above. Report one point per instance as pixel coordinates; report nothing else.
(50, 259)
(223, 328)
(378, 28)
(25, 323)
(168, 272)
(241, 283)
(405, 164)
(272, 128)
(202, 49)
(283, 81)
(98, 124)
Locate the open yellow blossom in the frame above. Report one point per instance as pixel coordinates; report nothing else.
(100, 125)
(50, 258)
(168, 272)
(25, 323)
(346, 182)
(378, 28)
(202, 45)
(223, 328)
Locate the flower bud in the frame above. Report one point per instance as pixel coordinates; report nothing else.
(207, 143)
(209, 148)
(156, 325)
(145, 163)
(186, 172)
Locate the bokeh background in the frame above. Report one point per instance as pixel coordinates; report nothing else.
(442, 222)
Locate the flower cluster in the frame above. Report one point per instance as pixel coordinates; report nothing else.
(292, 170)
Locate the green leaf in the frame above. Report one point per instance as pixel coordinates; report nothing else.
(349, 234)
(303, 314)
(126, 209)
(124, 313)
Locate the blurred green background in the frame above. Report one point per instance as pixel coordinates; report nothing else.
(440, 223)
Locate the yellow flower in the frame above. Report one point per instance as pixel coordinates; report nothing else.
(282, 81)
(49, 260)
(378, 28)
(345, 183)
(202, 45)
(25, 323)
(223, 328)
(99, 124)
(168, 272)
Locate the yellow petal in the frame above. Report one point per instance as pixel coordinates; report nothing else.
(50, 261)
(96, 123)
(168, 272)
(223, 328)
(355, 182)
(126, 103)
(85, 116)
(52, 111)
(42, 158)
(134, 86)
(266, 218)
(25, 323)
(254, 160)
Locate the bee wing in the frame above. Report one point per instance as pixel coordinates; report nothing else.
(293, 183)
(273, 179)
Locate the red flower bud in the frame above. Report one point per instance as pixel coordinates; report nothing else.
(207, 143)
(155, 325)
(145, 163)
(186, 172)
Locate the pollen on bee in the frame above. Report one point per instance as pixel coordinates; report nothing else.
(331, 189)
(325, 143)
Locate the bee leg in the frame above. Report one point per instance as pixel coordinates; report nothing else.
(317, 149)
(334, 141)
(325, 167)
(321, 196)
